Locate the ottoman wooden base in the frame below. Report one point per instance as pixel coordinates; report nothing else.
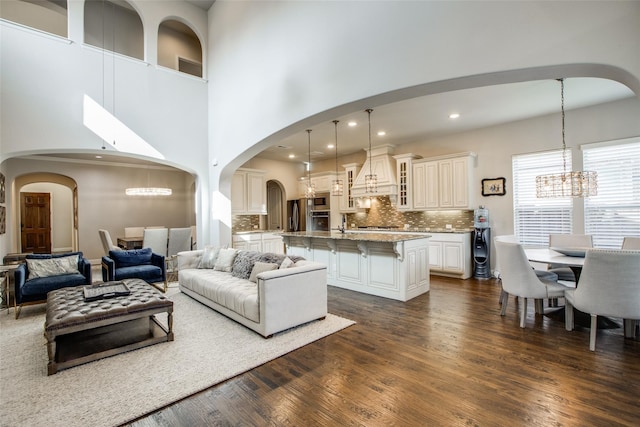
(79, 332)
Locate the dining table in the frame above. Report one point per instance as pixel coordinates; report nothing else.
(549, 256)
(130, 242)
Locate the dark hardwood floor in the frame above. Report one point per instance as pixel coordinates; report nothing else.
(443, 359)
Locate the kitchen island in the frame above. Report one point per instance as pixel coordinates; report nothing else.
(393, 266)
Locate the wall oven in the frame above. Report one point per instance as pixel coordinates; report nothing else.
(320, 220)
(321, 202)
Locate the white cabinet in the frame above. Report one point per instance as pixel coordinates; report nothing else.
(450, 254)
(348, 202)
(445, 182)
(248, 192)
(404, 178)
(261, 242)
(272, 243)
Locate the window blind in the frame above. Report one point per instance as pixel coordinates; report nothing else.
(534, 218)
(615, 212)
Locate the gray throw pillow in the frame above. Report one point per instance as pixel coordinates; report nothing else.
(261, 267)
(243, 263)
(52, 266)
(286, 263)
(209, 257)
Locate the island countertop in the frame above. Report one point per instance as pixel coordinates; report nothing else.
(363, 237)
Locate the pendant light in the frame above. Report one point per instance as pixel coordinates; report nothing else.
(371, 180)
(566, 184)
(336, 185)
(311, 189)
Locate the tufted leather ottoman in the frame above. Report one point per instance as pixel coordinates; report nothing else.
(79, 332)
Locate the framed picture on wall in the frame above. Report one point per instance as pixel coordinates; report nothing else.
(3, 219)
(493, 187)
(1, 188)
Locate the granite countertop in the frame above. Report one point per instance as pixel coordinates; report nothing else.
(363, 237)
(255, 231)
(412, 230)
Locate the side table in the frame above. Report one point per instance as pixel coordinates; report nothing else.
(6, 272)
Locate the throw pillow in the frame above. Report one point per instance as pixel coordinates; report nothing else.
(286, 263)
(52, 266)
(225, 260)
(209, 257)
(243, 263)
(260, 267)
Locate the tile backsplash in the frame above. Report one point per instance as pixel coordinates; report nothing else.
(245, 222)
(384, 213)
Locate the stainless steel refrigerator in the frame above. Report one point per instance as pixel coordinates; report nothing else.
(297, 214)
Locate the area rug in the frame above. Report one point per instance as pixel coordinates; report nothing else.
(208, 349)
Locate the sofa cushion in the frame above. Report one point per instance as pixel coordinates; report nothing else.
(144, 272)
(238, 295)
(38, 287)
(224, 262)
(131, 257)
(260, 267)
(51, 266)
(287, 262)
(243, 263)
(209, 257)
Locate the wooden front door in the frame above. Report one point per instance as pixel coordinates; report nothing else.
(35, 225)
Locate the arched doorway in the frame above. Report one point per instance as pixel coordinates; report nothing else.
(57, 204)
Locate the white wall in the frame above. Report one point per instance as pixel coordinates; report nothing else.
(285, 66)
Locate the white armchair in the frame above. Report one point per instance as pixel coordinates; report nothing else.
(609, 286)
(519, 279)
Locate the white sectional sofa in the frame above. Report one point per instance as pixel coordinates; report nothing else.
(279, 299)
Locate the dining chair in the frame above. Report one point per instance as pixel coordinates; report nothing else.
(608, 286)
(179, 240)
(541, 274)
(133, 231)
(631, 243)
(156, 239)
(194, 244)
(107, 243)
(568, 241)
(519, 279)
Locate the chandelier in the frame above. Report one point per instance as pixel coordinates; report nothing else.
(311, 189)
(371, 180)
(148, 191)
(566, 184)
(336, 185)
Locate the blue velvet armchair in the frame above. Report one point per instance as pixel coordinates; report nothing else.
(41, 273)
(135, 264)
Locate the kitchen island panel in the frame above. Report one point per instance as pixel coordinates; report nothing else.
(394, 268)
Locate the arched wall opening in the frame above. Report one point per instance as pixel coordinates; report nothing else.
(64, 208)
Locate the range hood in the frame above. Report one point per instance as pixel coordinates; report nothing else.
(384, 166)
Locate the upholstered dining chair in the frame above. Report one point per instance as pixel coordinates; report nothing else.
(541, 274)
(631, 243)
(133, 231)
(107, 243)
(156, 239)
(609, 286)
(568, 241)
(519, 279)
(179, 240)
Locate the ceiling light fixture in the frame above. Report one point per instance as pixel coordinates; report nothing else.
(566, 184)
(352, 124)
(311, 189)
(371, 180)
(336, 185)
(454, 115)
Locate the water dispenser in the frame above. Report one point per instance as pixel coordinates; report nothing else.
(481, 244)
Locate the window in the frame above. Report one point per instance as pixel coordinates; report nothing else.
(615, 212)
(534, 218)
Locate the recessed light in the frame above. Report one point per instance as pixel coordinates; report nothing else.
(291, 156)
(352, 124)
(330, 146)
(98, 157)
(381, 133)
(454, 115)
